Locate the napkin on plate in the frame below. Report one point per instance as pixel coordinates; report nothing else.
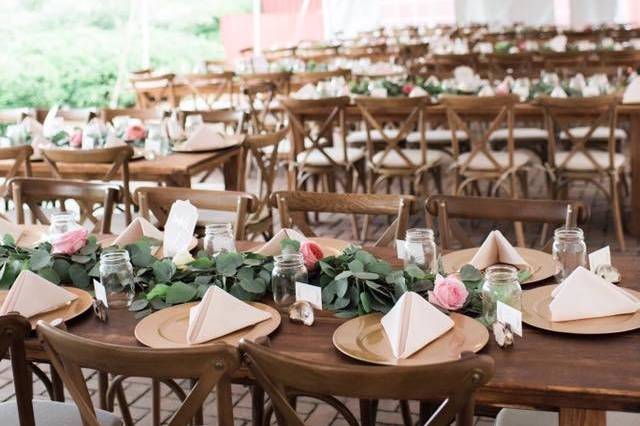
(412, 324)
(272, 247)
(31, 295)
(219, 314)
(308, 91)
(178, 231)
(12, 229)
(418, 92)
(138, 228)
(204, 137)
(632, 92)
(113, 141)
(558, 92)
(497, 249)
(584, 295)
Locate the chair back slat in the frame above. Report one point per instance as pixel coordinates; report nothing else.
(21, 156)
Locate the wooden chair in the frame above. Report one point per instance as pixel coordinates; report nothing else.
(445, 63)
(14, 115)
(447, 209)
(299, 79)
(619, 58)
(294, 205)
(211, 87)
(32, 192)
(150, 114)
(21, 156)
(516, 64)
(394, 162)
(581, 162)
(117, 157)
(481, 163)
(158, 200)
(211, 366)
(454, 382)
(152, 90)
(316, 154)
(262, 119)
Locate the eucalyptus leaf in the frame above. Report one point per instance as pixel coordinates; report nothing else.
(202, 263)
(327, 269)
(356, 266)
(257, 286)
(364, 302)
(180, 292)
(140, 254)
(158, 290)
(79, 276)
(289, 246)
(61, 266)
(163, 270)
(82, 259)
(365, 275)
(138, 305)
(415, 272)
(39, 258)
(50, 274)
(7, 239)
(228, 263)
(343, 275)
(470, 273)
(342, 286)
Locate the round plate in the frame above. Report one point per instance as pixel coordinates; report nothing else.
(541, 262)
(72, 310)
(228, 142)
(363, 338)
(32, 235)
(535, 312)
(167, 328)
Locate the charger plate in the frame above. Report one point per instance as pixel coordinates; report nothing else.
(228, 142)
(67, 312)
(541, 263)
(364, 339)
(167, 328)
(535, 312)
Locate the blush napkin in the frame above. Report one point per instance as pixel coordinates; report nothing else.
(31, 295)
(138, 228)
(272, 247)
(497, 249)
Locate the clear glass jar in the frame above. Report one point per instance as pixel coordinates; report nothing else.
(154, 144)
(288, 269)
(569, 251)
(420, 249)
(116, 275)
(500, 284)
(218, 237)
(60, 224)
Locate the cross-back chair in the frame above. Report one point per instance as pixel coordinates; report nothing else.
(582, 162)
(299, 79)
(34, 191)
(158, 201)
(293, 207)
(261, 118)
(454, 382)
(479, 118)
(448, 209)
(116, 157)
(517, 64)
(211, 87)
(211, 365)
(152, 90)
(21, 156)
(393, 161)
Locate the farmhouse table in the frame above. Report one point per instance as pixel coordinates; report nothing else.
(580, 376)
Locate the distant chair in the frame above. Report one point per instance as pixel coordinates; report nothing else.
(154, 89)
(21, 157)
(14, 115)
(210, 87)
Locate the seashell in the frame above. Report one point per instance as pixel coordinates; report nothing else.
(503, 335)
(608, 273)
(301, 312)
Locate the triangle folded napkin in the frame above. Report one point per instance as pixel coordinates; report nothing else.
(179, 229)
(204, 137)
(632, 92)
(272, 247)
(497, 249)
(138, 228)
(219, 314)
(31, 295)
(12, 229)
(584, 295)
(412, 324)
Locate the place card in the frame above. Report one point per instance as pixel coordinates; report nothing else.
(101, 292)
(599, 257)
(509, 315)
(415, 252)
(400, 249)
(309, 293)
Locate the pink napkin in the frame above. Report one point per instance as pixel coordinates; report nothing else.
(497, 249)
(204, 137)
(12, 229)
(272, 247)
(219, 314)
(412, 324)
(138, 228)
(31, 295)
(583, 295)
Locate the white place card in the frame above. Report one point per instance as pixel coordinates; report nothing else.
(309, 293)
(400, 249)
(101, 292)
(599, 257)
(415, 251)
(509, 315)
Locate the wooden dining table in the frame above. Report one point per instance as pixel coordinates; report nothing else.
(579, 376)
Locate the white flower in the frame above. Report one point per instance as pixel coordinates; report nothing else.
(182, 259)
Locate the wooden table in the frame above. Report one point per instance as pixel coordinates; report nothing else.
(578, 375)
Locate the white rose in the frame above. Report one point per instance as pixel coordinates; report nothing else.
(182, 259)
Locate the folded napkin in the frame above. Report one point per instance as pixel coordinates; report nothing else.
(486, 91)
(558, 92)
(412, 324)
(31, 295)
(12, 229)
(174, 128)
(497, 249)
(219, 314)
(583, 295)
(204, 137)
(272, 247)
(632, 92)
(308, 91)
(418, 92)
(138, 228)
(178, 231)
(113, 141)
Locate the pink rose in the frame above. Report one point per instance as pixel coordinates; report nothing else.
(70, 242)
(311, 253)
(135, 132)
(406, 89)
(76, 139)
(448, 293)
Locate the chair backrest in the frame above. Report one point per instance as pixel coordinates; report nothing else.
(448, 208)
(454, 382)
(14, 115)
(230, 118)
(447, 62)
(118, 157)
(563, 62)
(563, 114)
(14, 329)
(158, 200)
(299, 79)
(517, 64)
(620, 58)
(153, 89)
(264, 90)
(408, 113)
(78, 117)
(21, 156)
(211, 86)
(33, 191)
(495, 111)
(108, 114)
(293, 206)
(211, 365)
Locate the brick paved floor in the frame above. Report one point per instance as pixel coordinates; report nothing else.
(598, 233)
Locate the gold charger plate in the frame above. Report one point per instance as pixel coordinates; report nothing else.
(167, 328)
(363, 338)
(229, 141)
(542, 263)
(536, 313)
(70, 311)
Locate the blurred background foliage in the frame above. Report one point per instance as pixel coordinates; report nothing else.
(68, 51)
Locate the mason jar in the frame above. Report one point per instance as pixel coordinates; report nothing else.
(569, 251)
(500, 284)
(218, 237)
(116, 275)
(154, 143)
(288, 269)
(420, 249)
(60, 224)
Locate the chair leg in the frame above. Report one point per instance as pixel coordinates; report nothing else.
(368, 409)
(257, 405)
(617, 213)
(406, 413)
